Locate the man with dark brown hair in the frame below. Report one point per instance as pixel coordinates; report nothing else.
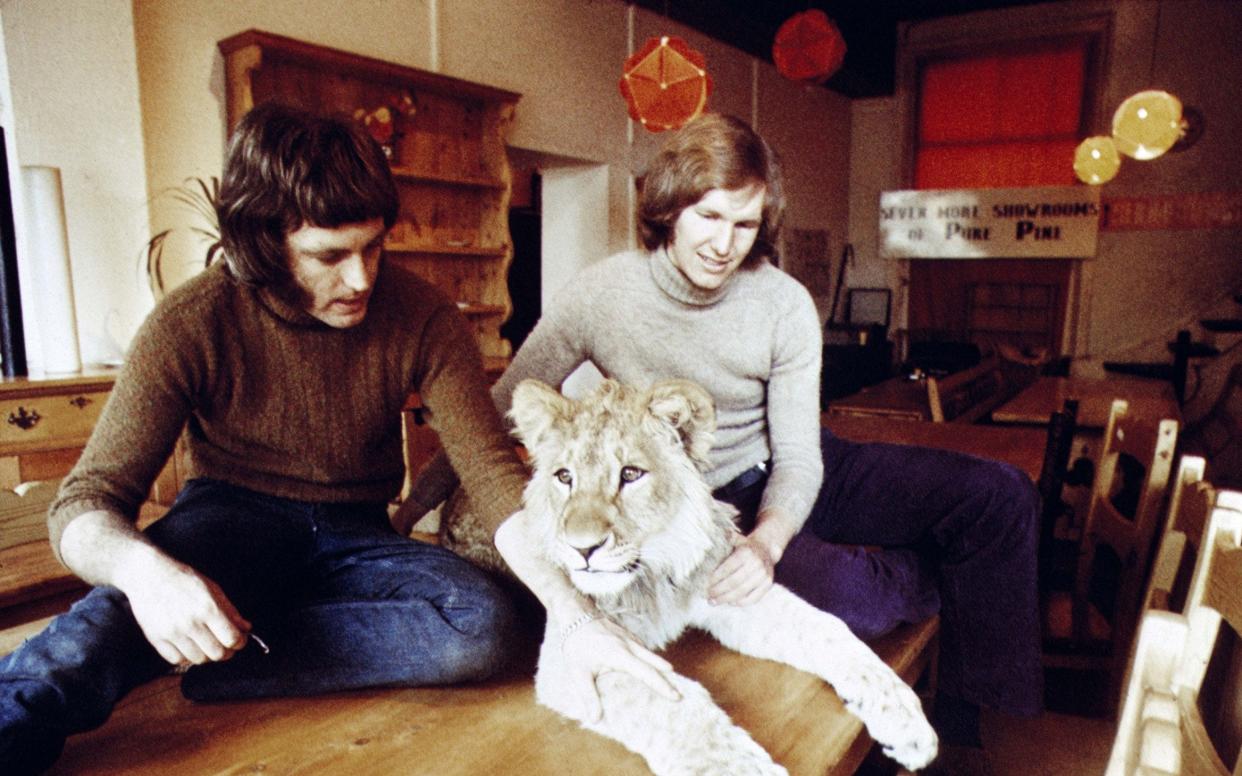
(276, 572)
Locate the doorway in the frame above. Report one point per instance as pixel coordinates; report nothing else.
(525, 271)
(565, 224)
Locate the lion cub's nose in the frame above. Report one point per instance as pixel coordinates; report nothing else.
(585, 552)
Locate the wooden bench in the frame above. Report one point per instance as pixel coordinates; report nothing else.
(969, 395)
(491, 727)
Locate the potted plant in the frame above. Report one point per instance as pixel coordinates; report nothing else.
(200, 195)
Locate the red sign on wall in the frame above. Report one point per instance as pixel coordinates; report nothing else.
(1209, 210)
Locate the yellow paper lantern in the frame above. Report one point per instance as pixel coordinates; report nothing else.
(1096, 160)
(1147, 124)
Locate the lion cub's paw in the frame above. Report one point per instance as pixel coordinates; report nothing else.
(916, 752)
(893, 715)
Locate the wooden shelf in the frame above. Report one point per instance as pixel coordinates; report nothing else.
(412, 175)
(253, 44)
(483, 252)
(481, 310)
(494, 365)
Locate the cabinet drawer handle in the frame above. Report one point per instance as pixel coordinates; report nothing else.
(81, 401)
(23, 419)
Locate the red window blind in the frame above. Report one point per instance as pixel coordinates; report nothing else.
(1001, 119)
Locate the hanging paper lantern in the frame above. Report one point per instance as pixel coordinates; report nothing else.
(1147, 124)
(808, 47)
(665, 84)
(1096, 160)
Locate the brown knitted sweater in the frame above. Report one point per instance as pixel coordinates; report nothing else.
(273, 400)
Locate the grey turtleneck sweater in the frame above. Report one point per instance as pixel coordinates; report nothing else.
(754, 344)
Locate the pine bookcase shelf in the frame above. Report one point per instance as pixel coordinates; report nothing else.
(447, 150)
(419, 176)
(481, 310)
(482, 251)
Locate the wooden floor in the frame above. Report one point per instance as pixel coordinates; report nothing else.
(1052, 744)
(491, 728)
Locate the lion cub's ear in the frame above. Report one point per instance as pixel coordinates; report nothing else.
(689, 409)
(535, 409)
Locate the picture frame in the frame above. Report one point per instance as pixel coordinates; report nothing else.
(868, 306)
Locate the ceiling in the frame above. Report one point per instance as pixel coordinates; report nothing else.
(868, 26)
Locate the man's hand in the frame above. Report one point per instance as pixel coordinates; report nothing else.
(185, 616)
(742, 578)
(600, 645)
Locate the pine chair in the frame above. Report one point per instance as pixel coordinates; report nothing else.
(1055, 552)
(1191, 500)
(1090, 625)
(1181, 710)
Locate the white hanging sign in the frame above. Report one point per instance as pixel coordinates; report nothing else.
(1046, 222)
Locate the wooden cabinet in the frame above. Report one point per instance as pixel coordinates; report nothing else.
(46, 422)
(447, 150)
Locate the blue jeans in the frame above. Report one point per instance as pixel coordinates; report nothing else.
(341, 600)
(899, 533)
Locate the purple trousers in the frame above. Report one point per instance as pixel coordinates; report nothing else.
(944, 532)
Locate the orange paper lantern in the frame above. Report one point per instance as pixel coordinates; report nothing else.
(808, 47)
(665, 84)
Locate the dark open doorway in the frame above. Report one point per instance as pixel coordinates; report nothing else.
(525, 272)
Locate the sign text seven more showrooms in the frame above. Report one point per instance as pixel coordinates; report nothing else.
(1047, 222)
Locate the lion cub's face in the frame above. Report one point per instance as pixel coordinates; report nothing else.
(612, 476)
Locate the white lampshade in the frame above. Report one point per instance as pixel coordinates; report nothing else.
(1147, 124)
(1096, 160)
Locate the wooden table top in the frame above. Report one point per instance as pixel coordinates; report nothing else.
(896, 397)
(1035, 403)
(90, 378)
(485, 728)
(1021, 446)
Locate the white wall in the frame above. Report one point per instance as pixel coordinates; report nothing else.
(573, 235)
(136, 105)
(875, 166)
(75, 106)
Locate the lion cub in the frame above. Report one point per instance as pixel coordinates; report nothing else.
(621, 505)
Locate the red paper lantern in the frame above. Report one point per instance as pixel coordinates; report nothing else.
(808, 47)
(665, 84)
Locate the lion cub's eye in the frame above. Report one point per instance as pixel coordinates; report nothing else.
(564, 477)
(631, 473)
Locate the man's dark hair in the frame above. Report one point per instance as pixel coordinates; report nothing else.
(713, 151)
(287, 168)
